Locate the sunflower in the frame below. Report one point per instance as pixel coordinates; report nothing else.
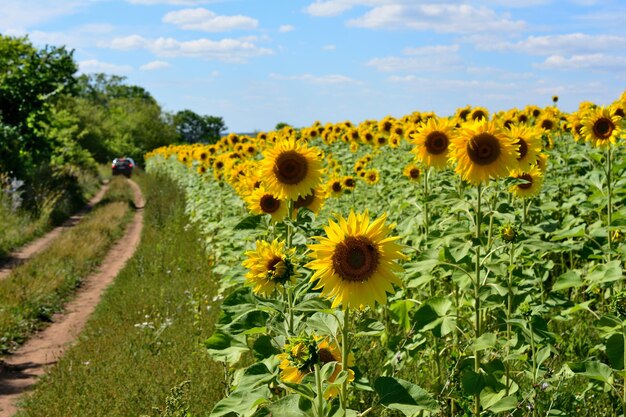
(270, 266)
(528, 140)
(600, 127)
(531, 188)
(312, 201)
(291, 169)
(371, 176)
(261, 201)
(355, 264)
(432, 140)
(479, 113)
(334, 187)
(482, 151)
(463, 112)
(300, 354)
(412, 172)
(348, 182)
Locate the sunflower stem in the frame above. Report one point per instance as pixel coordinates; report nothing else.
(477, 297)
(289, 291)
(320, 394)
(609, 208)
(288, 224)
(509, 314)
(426, 213)
(345, 348)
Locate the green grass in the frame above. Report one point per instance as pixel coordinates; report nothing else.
(18, 226)
(146, 334)
(35, 290)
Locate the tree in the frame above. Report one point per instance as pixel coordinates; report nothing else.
(31, 81)
(194, 128)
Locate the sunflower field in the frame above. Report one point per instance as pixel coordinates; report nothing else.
(469, 265)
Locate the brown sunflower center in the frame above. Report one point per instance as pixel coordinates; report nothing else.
(523, 148)
(522, 118)
(463, 114)
(436, 143)
(325, 356)
(336, 186)
(619, 112)
(603, 127)
(547, 124)
(483, 149)
(414, 173)
(273, 263)
(528, 184)
(290, 167)
(349, 182)
(304, 201)
(269, 204)
(356, 258)
(478, 114)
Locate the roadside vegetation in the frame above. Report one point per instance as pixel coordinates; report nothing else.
(57, 126)
(37, 289)
(146, 335)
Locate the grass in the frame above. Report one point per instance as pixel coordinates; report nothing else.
(20, 226)
(35, 290)
(146, 334)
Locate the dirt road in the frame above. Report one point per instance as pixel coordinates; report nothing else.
(20, 371)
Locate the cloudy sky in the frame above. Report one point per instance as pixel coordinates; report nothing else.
(259, 62)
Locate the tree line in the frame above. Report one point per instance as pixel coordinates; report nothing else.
(56, 125)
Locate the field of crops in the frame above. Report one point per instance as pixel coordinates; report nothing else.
(419, 265)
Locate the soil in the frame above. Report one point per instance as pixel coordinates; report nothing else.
(20, 370)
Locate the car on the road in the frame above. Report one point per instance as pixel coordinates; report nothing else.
(123, 166)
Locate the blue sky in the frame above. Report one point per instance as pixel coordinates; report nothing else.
(256, 63)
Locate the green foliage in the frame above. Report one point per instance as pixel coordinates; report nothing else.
(194, 128)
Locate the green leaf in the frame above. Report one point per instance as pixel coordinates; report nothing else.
(505, 404)
(577, 231)
(615, 350)
(401, 395)
(291, 406)
(472, 382)
(223, 347)
(249, 223)
(485, 341)
(243, 403)
(399, 313)
(604, 273)
(370, 327)
(263, 347)
(325, 324)
(597, 371)
(570, 279)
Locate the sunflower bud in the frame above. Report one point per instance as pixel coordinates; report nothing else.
(617, 236)
(508, 233)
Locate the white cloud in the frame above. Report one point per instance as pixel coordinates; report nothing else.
(315, 79)
(426, 58)
(19, 15)
(155, 65)
(572, 43)
(207, 21)
(401, 78)
(589, 62)
(93, 65)
(286, 28)
(329, 47)
(227, 50)
(440, 18)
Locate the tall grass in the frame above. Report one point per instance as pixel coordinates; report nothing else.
(146, 334)
(35, 290)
